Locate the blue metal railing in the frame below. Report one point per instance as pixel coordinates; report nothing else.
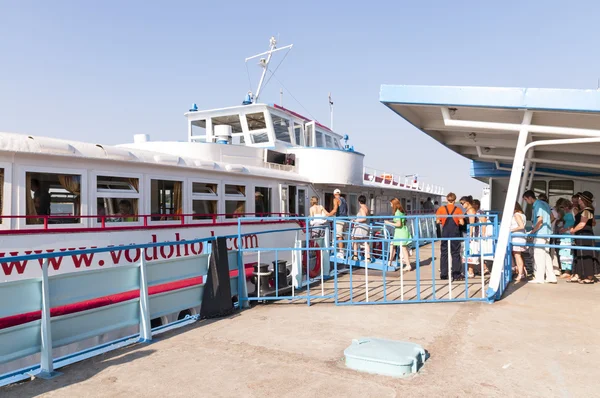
(40, 336)
(345, 264)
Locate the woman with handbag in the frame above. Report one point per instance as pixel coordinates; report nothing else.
(401, 234)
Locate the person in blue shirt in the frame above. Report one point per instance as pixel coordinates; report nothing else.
(542, 225)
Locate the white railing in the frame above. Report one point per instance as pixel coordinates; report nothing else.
(398, 180)
(281, 167)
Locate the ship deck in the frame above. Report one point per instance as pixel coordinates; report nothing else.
(535, 342)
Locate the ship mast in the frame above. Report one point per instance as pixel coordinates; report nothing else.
(264, 63)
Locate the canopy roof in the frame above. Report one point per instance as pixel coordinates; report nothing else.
(483, 123)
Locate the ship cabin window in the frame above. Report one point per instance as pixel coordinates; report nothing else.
(117, 198)
(309, 135)
(336, 143)
(166, 200)
(198, 131)
(258, 128)
(56, 196)
(328, 141)
(262, 201)
(320, 142)
(1, 192)
(298, 136)
(235, 200)
(560, 189)
(282, 128)
(205, 200)
(237, 133)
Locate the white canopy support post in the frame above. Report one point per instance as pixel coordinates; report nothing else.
(530, 180)
(524, 179)
(509, 204)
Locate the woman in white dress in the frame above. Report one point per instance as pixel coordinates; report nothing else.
(517, 225)
(360, 232)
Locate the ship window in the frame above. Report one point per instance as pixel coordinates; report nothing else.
(203, 188)
(282, 128)
(166, 200)
(260, 138)
(328, 141)
(262, 201)
(560, 189)
(298, 134)
(256, 121)
(235, 200)
(205, 204)
(117, 184)
(1, 192)
(336, 143)
(231, 120)
(204, 209)
(117, 198)
(320, 143)
(199, 130)
(117, 209)
(309, 135)
(50, 194)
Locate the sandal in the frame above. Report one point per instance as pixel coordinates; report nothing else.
(471, 274)
(354, 258)
(586, 281)
(519, 278)
(574, 278)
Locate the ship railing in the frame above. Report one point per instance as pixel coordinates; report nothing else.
(69, 310)
(398, 180)
(328, 270)
(41, 223)
(281, 167)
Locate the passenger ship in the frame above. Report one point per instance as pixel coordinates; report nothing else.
(252, 159)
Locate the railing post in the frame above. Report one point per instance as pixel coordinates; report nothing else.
(145, 328)
(307, 240)
(417, 258)
(46, 361)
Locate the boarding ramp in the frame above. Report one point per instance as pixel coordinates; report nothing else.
(323, 267)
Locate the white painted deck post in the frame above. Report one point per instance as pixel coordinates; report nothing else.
(509, 204)
(523, 186)
(145, 329)
(46, 360)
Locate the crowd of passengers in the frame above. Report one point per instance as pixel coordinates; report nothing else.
(568, 218)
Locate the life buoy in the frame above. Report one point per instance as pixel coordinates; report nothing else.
(306, 255)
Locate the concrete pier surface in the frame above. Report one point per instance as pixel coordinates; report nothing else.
(539, 341)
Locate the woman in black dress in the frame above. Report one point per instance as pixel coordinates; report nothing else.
(584, 267)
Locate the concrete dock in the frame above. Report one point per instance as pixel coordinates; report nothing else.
(539, 341)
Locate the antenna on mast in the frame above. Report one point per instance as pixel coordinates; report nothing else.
(280, 96)
(331, 112)
(264, 62)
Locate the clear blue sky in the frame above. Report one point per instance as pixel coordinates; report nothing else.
(103, 71)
